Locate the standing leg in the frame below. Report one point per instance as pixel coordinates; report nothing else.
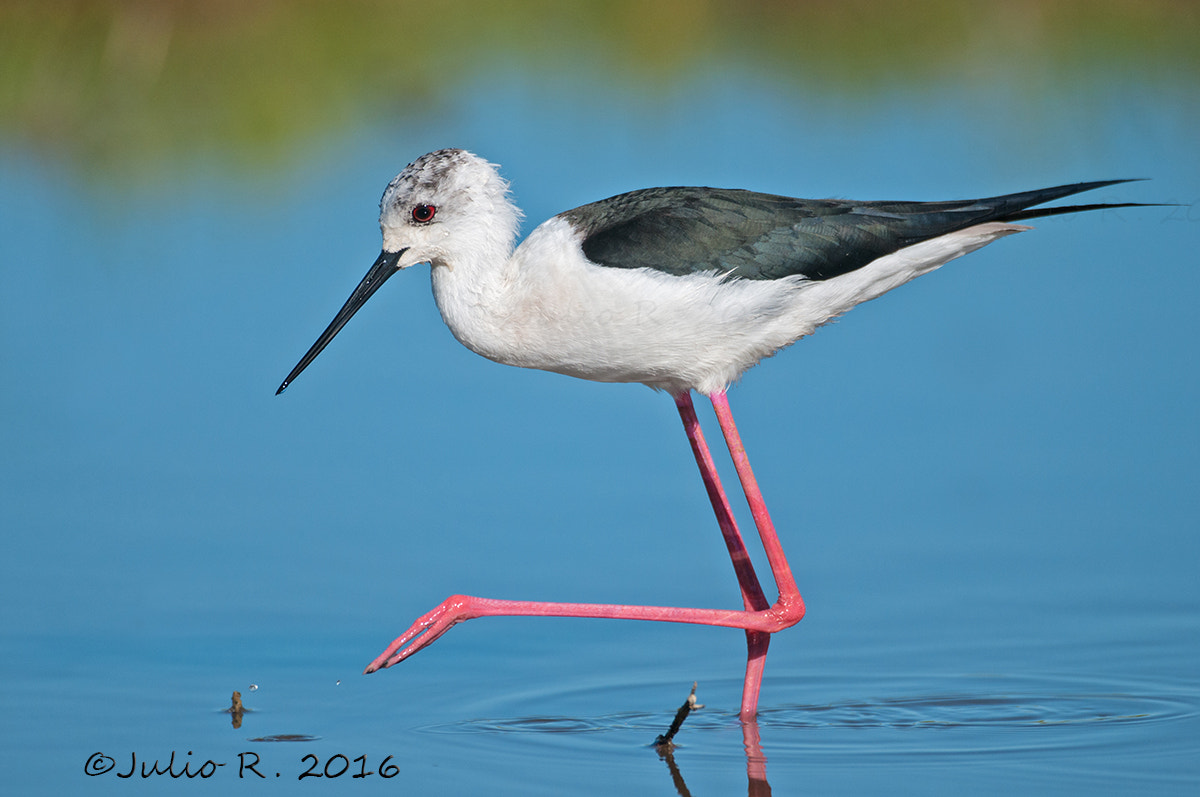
(789, 594)
(790, 605)
(752, 595)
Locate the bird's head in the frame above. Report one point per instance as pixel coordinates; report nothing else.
(445, 207)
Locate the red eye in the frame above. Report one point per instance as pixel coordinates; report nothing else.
(423, 213)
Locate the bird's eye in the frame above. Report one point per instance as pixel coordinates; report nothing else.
(423, 213)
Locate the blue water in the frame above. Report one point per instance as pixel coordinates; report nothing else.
(986, 481)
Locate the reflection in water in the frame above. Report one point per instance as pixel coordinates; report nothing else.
(998, 710)
(994, 715)
(972, 718)
(668, 754)
(756, 763)
(236, 710)
(666, 747)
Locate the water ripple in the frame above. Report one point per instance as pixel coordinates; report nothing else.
(996, 713)
(1014, 710)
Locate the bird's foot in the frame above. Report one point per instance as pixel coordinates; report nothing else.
(424, 632)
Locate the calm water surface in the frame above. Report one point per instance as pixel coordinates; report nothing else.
(986, 481)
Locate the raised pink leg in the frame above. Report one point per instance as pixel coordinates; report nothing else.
(758, 619)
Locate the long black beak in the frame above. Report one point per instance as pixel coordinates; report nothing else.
(384, 267)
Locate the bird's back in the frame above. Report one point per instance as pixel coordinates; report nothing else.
(686, 288)
(750, 235)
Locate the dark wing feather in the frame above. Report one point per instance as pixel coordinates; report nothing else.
(761, 236)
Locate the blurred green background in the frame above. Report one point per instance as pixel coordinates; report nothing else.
(146, 90)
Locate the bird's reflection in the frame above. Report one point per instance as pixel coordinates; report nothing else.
(756, 764)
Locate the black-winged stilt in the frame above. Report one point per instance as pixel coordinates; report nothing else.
(680, 289)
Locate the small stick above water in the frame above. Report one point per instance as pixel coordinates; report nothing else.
(663, 742)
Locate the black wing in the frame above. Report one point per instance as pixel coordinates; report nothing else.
(761, 236)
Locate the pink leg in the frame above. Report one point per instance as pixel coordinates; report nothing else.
(752, 595)
(789, 603)
(758, 620)
(788, 592)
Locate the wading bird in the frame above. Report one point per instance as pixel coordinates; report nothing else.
(681, 289)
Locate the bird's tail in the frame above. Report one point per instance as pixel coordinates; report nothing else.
(1021, 202)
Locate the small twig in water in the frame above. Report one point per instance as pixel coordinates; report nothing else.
(663, 742)
(236, 709)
